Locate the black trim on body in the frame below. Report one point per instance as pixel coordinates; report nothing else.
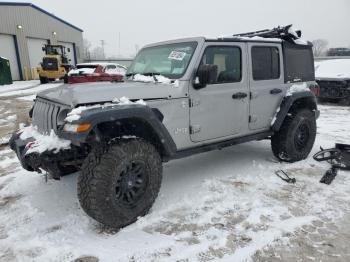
(221, 144)
(288, 102)
(95, 116)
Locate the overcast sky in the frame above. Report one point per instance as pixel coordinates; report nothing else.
(147, 21)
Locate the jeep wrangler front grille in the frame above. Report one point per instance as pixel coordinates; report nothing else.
(45, 115)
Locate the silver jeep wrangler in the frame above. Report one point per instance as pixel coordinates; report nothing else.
(178, 98)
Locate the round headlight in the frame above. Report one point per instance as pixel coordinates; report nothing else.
(61, 116)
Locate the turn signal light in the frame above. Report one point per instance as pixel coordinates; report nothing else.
(83, 128)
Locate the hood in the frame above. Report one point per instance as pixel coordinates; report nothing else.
(333, 69)
(89, 93)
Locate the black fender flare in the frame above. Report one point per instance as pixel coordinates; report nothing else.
(95, 116)
(304, 99)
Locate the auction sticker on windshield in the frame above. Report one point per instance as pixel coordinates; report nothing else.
(176, 55)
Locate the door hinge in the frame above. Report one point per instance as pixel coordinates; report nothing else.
(194, 102)
(195, 129)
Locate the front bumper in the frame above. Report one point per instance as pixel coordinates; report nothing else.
(47, 160)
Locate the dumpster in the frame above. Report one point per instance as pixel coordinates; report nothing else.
(5, 72)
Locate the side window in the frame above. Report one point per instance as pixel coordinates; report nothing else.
(110, 68)
(265, 63)
(228, 60)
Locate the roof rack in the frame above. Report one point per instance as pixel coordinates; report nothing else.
(282, 32)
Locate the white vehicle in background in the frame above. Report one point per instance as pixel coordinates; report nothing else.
(96, 72)
(333, 78)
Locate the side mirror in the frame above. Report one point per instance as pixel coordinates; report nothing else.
(206, 74)
(68, 49)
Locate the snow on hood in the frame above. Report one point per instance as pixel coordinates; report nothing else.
(74, 115)
(42, 142)
(83, 71)
(101, 92)
(333, 68)
(154, 79)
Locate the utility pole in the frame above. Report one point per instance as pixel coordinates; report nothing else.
(119, 45)
(103, 43)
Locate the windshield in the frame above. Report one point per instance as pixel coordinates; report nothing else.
(54, 50)
(168, 60)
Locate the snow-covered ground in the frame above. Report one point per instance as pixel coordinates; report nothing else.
(224, 205)
(26, 89)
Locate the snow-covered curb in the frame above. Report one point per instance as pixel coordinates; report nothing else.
(42, 142)
(74, 115)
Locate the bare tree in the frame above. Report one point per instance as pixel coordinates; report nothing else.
(319, 47)
(97, 53)
(86, 49)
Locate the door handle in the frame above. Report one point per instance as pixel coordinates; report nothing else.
(239, 95)
(275, 91)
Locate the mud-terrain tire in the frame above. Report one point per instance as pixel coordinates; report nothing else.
(120, 184)
(43, 80)
(296, 137)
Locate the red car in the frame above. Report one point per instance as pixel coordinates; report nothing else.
(95, 72)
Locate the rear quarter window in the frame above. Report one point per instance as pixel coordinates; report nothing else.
(299, 63)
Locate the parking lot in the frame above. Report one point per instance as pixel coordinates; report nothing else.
(226, 205)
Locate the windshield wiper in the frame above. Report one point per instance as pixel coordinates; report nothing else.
(153, 74)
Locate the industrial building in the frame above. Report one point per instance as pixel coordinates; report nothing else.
(25, 28)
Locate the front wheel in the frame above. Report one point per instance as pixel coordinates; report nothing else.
(43, 80)
(119, 185)
(295, 139)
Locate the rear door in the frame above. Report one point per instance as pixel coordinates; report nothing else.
(216, 111)
(267, 86)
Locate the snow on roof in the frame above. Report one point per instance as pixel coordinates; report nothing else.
(99, 63)
(4, 58)
(41, 10)
(81, 71)
(259, 38)
(333, 68)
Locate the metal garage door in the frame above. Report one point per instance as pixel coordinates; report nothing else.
(36, 53)
(8, 50)
(70, 54)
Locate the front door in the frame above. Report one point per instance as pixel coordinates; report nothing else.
(220, 110)
(266, 84)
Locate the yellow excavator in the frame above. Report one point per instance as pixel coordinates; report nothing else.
(55, 64)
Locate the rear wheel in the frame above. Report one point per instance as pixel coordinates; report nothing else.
(65, 79)
(117, 186)
(295, 139)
